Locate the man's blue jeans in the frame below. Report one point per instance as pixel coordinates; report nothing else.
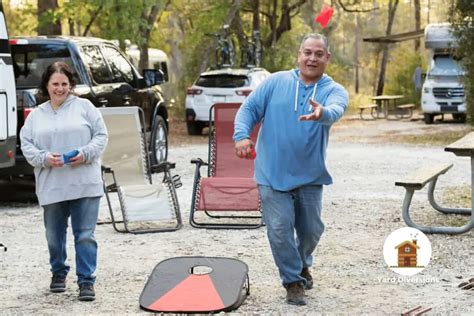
(286, 213)
(84, 213)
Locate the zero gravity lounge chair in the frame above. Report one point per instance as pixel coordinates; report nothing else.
(228, 197)
(139, 205)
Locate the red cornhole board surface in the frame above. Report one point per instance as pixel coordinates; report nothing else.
(173, 287)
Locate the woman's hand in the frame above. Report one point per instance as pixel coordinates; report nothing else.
(55, 160)
(77, 160)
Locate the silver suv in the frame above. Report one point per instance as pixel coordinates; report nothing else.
(225, 85)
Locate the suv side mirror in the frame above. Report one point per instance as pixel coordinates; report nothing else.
(153, 77)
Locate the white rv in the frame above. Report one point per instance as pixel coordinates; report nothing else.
(157, 59)
(443, 91)
(8, 115)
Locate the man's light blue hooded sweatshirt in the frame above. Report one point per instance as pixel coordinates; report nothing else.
(291, 153)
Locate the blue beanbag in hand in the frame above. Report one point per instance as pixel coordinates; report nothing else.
(69, 155)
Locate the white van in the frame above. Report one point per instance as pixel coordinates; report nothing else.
(8, 115)
(157, 59)
(443, 91)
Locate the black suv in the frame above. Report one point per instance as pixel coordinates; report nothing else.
(103, 75)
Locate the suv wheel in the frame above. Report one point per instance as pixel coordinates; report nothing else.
(194, 128)
(159, 141)
(428, 118)
(459, 117)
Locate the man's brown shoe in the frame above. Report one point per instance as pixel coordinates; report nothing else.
(309, 279)
(295, 294)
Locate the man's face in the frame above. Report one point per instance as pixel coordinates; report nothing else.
(312, 60)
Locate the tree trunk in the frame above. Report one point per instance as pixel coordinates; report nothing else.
(428, 11)
(177, 66)
(70, 22)
(392, 8)
(94, 16)
(417, 23)
(47, 27)
(256, 15)
(287, 11)
(146, 32)
(357, 44)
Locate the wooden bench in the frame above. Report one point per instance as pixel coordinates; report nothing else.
(373, 110)
(422, 176)
(405, 109)
(416, 181)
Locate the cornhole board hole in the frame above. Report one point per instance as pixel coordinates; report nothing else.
(196, 285)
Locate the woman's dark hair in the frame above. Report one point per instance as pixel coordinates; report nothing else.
(56, 67)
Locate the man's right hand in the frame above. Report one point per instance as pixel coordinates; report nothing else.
(243, 148)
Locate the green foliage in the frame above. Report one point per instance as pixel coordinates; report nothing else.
(181, 29)
(283, 55)
(21, 19)
(399, 76)
(462, 13)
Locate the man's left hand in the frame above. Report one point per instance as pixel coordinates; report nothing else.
(316, 114)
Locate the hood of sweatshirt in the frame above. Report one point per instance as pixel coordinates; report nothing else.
(324, 80)
(46, 106)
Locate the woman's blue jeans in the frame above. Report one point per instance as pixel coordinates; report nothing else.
(294, 227)
(84, 213)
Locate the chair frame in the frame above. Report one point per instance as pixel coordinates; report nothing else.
(170, 182)
(210, 173)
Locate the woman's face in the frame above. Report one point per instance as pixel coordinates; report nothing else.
(58, 88)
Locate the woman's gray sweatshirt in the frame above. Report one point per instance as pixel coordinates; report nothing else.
(77, 124)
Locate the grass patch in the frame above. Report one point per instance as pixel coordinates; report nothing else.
(457, 196)
(438, 139)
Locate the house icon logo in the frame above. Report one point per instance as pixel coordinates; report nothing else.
(407, 251)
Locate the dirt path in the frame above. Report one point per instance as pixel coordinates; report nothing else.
(360, 210)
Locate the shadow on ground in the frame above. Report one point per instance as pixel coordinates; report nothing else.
(17, 190)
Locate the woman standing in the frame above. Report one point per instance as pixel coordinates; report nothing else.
(66, 124)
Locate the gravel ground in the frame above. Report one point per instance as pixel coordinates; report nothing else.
(360, 210)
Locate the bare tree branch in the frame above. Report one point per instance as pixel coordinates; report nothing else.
(94, 16)
(345, 8)
(286, 13)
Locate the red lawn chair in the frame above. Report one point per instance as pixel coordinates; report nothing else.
(228, 197)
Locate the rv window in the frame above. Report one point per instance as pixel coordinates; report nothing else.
(445, 65)
(30, 61)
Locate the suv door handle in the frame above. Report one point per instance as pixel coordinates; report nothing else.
(126, 100)
(103, 102)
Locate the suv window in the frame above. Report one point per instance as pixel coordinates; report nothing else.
(259, 77)
(97, 65)
(31, 60)
(121, 69)
(222, 81)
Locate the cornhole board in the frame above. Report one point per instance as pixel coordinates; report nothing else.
(196, 285)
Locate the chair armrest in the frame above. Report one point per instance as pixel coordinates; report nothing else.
(106, 168)
(162, 167)
(199, 162)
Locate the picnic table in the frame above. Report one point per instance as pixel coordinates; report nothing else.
(386, 104)
(463, 147)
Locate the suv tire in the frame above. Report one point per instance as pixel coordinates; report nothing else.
(428, 118)
(195, 128)
(159, 141)
(460, 117)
